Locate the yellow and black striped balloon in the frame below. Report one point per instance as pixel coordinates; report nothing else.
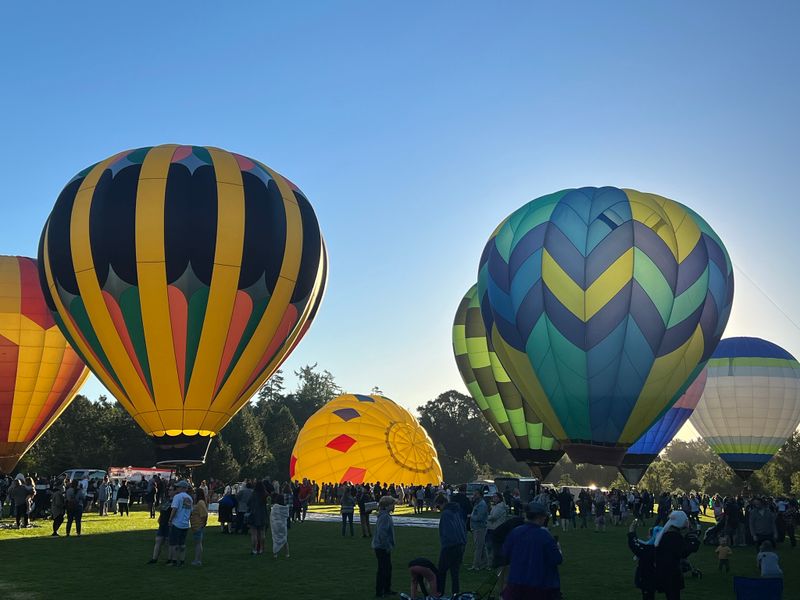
(183, 276)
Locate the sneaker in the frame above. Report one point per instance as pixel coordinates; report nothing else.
(197, 563)
(54, 534)
(152, 561)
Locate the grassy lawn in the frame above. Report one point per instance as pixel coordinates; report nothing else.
(110, 556)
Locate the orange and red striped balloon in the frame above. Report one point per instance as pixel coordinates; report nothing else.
(39, 372)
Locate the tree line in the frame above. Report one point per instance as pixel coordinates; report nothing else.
(259, 440)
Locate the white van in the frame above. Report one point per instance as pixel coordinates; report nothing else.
(72, 474)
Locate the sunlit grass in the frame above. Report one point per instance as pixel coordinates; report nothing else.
(323, 565)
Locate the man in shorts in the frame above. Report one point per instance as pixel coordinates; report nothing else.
(179, 523)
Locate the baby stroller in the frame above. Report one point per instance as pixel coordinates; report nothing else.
(485, 591)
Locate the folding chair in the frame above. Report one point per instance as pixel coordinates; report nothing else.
(749, 588)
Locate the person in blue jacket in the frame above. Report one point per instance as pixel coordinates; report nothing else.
(453, 540)
(534, 556)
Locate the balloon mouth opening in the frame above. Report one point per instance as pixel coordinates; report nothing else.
(540, 462)
(596, 454)
(181, 450)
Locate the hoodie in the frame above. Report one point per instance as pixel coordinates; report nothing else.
(452, 531)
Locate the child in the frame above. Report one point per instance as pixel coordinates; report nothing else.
(768, 560)
(723, 554)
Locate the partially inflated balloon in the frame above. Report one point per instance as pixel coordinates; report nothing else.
(356, 438)
(183, 275)
(655, 439)
(509, 414)
(39, 372)
(751, 404)
(603, 305)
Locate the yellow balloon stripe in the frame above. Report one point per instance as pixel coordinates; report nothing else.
(569, 293)
(91, 294)
(609, 284)
(71, 396)
(231, 391)
(38, 362)
(86, 352)
(222, 294)
(151, 273)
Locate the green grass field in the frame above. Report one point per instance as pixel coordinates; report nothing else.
(109, 559)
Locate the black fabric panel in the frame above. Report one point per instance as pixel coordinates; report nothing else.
(264, 232)
(58, 236)
(190, 222)
(112, 224)
(309, 263)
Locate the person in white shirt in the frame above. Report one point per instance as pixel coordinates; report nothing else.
(179, 523)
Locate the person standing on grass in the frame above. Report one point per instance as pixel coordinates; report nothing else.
(599, 512)
(162, 532)
(675, 542)
(497, 516)
(453, 541)
(19, 495)
(644, 551)
(383, 544)
(478, 521)
(534, 556)
(150, 496)
(762, 523)
(58, 507)
(181, 510)
(347, 508)
(123, 498)
(362, 498)
(76, 498)
(257, 517)
(197, 521)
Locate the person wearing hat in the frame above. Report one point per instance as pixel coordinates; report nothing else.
(179, 523)
(673, 543)
(383, 544)
(534, 556)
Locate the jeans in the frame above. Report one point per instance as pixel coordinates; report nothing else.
(364, 518)
(479, 560)
(76, 516)
(347, 518)
(21, 513)
(57, 521)
(383, 578)
(450, 560)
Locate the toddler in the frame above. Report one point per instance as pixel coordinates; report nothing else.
(723, 554)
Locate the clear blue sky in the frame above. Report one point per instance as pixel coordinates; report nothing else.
(415, 127)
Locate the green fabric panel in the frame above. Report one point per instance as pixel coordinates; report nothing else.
(459, 339)
(196, 316)
(138, 155)
(739, 448)
(535, 438)
(648, 275)
(259, 308)
(763, 362)
(516, 417)
(688, 301)
(497, 408)
(478, 352)
(504, 441)
(475, 392)
(500, 374)
(78, 312)
(131, 309)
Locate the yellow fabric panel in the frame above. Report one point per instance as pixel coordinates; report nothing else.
(687, 232)
(37, 367)
(386, 441)
(529, 386)
(569, 293)
(152, 277)
(477, 352)
(609, 284)
(666, 377)
(70, 396)
(224, 285)
(92, 296)
(95, 365)
(10, 298)
(231, 391)
(645, 210)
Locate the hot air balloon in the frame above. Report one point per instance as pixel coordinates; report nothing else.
(603, 305)
(356, 438)
(639, 456)
(183, 276)
(39, 372)
(751, 404)
(509, 414)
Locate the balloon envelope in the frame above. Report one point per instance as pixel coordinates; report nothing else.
(751, 403)
(602, 305)
(356, 438)
(646, 449)
(509, 414)
(39, 372)
(183, 275)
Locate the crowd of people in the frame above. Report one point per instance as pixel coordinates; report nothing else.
(511, 535)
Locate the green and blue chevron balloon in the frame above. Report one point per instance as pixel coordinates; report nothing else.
(603, 305)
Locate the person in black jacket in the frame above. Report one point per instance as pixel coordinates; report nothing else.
(645, 552)
(673, 543)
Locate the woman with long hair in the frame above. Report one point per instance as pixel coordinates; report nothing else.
(257, 517)
(197, 521)
(162, 533)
